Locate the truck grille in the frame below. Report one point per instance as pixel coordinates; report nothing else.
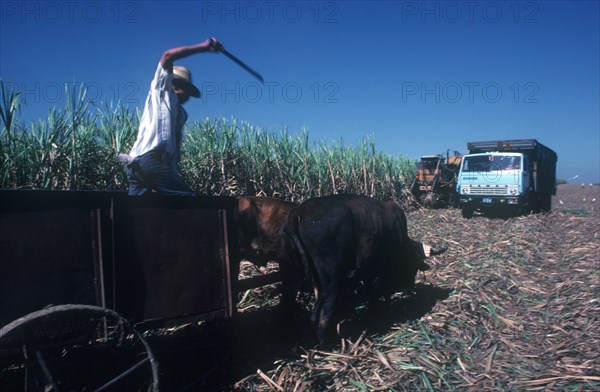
(489, 190)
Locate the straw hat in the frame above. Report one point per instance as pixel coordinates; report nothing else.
(184, 77)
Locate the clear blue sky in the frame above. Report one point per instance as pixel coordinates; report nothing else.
(421, 77)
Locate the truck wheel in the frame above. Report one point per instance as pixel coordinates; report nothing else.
(516, 211)
(467, 212)
(414, 190)
(546, 203)
(531, 206)
(452, 199)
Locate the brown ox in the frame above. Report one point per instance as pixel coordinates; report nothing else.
(260, 220)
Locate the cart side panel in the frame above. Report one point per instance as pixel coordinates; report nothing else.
(170, 261)
(46, 257)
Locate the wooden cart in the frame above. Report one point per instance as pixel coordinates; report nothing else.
(82, 273)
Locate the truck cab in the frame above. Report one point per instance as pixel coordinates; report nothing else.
(435, 181)
(513, 176)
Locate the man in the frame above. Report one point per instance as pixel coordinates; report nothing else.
(153, 163)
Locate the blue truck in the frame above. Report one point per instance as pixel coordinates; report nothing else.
(507, 176)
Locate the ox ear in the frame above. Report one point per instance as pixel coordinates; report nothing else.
(244, 203)
(429, 250)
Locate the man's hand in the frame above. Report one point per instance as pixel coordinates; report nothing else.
(214, 45)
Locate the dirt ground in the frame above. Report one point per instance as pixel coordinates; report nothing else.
(514, 304)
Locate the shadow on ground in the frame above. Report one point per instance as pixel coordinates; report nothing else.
(395, 311)
(215, 355)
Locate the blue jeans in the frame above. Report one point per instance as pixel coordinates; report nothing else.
(150, 172)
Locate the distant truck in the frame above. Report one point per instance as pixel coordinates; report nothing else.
(434, 184)
(513, 176)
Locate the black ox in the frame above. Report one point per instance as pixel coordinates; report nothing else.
(347, 240)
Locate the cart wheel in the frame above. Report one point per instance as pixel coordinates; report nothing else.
(75, 348)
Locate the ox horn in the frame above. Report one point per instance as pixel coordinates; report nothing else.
(431, 251)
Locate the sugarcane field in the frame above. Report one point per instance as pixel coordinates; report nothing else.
(512, 304)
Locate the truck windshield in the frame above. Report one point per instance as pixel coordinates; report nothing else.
(429, 164)
(487, 163)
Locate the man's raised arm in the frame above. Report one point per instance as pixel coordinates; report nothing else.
(169, 56)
